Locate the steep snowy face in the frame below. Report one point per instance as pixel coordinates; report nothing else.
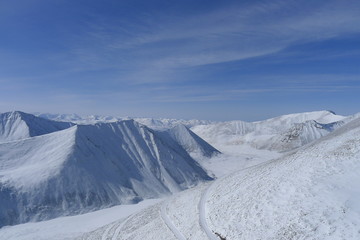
(87, 167)
(313, 193)
(191, 142)
(281, 133)
(29, 162)
(18, 125)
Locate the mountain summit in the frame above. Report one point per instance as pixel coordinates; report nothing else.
(88, 167)
(19, 125)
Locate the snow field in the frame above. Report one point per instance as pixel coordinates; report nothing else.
(73, 227)
(310, 194)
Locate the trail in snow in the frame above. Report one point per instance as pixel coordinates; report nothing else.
(169, 223)
(202, 215)
(118, 229)
(118, 225)
(106, 232)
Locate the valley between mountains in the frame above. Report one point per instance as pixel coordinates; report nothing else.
(295, 176)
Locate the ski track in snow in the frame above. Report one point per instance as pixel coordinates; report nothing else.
(106, 232)
(202, 215)
(118, 229)
(169, 223)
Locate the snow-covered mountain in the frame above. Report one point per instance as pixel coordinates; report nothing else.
(191, 142)
(19, 125)
(75, 118)
(300, 134)
(281, 133)
(166, 123)
(154, 123)
(87, 167)
(309, 194)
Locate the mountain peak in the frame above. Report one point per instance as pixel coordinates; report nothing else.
(17, 125)
(87, 167)
(191, 142)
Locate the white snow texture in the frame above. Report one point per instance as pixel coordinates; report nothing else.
(291, 177)
(87, 167)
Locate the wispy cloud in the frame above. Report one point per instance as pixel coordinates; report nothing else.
(231, 33)
(154, 56)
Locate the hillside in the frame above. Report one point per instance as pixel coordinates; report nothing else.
(87, 167)
(19, 125)
(309, 194)
(282, 133)
(191, 142)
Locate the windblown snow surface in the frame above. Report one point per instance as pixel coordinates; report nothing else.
(87, 167)
(309, 194)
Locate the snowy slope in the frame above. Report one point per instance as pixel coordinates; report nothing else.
(87, 167)
(19, 125)
(300, 134)
(70, 227)
(281, 133)
(270, 134)
(191, 142)
(309, 194)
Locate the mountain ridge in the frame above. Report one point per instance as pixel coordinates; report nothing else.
(19, 125)
(88, 167)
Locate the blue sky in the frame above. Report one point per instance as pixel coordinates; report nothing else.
(217, 60)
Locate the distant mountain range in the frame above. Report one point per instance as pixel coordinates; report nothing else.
(155, 123)
(53, 168)
(281, 134)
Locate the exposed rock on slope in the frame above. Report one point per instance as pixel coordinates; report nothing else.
(300, 134)
(281, 133)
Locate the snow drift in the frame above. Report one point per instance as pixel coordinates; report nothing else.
(87, 167)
